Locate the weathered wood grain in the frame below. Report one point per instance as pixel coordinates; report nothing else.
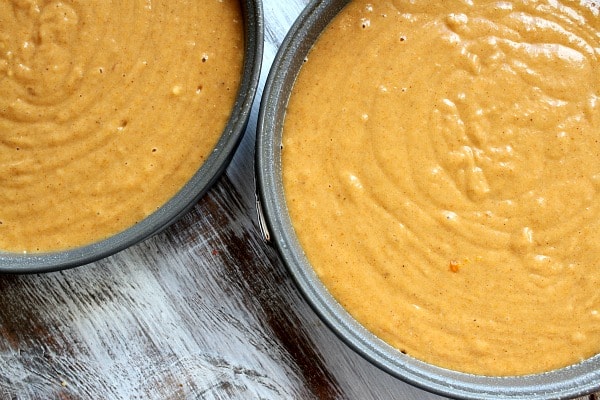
(204, 310)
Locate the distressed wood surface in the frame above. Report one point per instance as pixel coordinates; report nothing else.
(203, 310)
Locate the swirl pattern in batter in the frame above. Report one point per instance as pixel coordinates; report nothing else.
(446, 185)
(107, 108)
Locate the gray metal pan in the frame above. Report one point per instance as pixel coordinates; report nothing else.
(199, 184)
(570, 382)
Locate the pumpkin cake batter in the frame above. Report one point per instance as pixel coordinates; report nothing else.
(107, 108)
(441, 165)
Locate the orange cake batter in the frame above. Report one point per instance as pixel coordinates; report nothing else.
(106, 110)
(441, 165)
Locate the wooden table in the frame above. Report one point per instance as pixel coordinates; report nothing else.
(203, 310)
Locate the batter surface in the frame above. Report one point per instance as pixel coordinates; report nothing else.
(107, 108)
(441, 165)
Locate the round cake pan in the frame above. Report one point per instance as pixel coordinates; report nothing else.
(576, 380)
(198, 185)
